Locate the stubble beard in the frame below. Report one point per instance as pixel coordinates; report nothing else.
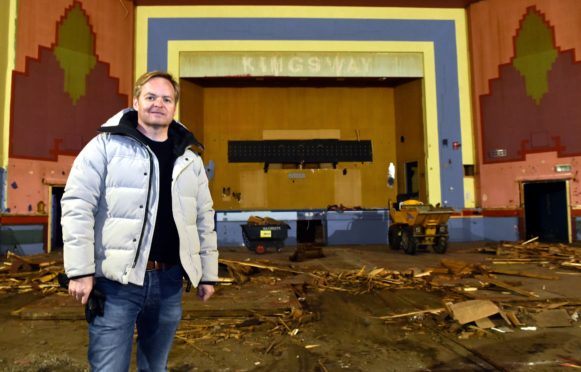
(156, 126)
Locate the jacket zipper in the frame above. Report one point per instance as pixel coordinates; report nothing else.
(151, 165)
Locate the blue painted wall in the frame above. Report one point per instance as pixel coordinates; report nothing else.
(467, 229)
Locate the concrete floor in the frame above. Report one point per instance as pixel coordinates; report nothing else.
(347, 333)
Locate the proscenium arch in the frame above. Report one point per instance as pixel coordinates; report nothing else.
(426, 49)
(163, 32)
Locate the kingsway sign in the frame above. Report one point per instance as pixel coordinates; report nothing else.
(301, 64)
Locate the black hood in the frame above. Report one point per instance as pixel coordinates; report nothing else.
(180, 135)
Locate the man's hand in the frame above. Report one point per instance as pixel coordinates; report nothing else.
(205, 291)
(81, 288)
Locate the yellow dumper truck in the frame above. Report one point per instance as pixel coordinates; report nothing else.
(414, 225)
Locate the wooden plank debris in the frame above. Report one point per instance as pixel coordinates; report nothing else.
(458, 268)
(413, 313)
(531, 240)
(484, 323)
(19, 274)
(522, 273)
(572, 265)
(472, 310)
(501, 284)
(512, 318)
(263, 294)
(532, 251)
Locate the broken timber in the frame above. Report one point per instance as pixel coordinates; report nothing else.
(501, 284)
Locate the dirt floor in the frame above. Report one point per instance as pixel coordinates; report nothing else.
(331, 314)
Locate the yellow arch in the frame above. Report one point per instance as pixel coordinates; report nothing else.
(7, 58)
(426, 48)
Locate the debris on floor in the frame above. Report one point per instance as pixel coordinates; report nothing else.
(476, 298)
(472, 310)
(22, 274)
(463, 312)
(544, 254)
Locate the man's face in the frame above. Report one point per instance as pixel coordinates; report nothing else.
(156, 104)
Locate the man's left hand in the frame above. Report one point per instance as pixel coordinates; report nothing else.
(205, 291)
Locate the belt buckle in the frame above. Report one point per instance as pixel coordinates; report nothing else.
(152, 266)
(157, 266)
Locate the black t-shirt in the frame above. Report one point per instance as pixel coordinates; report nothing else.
(165, 244)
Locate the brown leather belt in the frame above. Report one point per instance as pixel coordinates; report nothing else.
(158, 266)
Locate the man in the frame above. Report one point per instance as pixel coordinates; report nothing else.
(137, 215)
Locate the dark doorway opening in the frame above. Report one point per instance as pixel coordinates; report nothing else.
(56, 231)
(310, 231)
(546, 211)
(412, 186)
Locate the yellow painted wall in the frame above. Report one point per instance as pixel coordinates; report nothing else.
(7, 26)
(253, 113)
(192, 107)
(410, 135)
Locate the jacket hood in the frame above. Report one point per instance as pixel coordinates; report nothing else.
(125, 123)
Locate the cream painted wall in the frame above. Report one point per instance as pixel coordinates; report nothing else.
(249, 113)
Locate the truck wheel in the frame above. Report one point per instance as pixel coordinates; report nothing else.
(441, 244)
(408, 243)
(394, 237)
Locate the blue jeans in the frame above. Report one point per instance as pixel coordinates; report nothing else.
(156, 310)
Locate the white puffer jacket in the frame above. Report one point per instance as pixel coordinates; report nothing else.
(110, 203)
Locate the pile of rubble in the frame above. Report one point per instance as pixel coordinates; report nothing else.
(552, 256)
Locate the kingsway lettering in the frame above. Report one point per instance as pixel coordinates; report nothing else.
(313, 65)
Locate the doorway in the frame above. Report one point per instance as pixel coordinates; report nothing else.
(55, 239)
(412, 186)
(546, 211)
(310, 232)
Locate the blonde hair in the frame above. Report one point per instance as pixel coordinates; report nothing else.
(143, 79)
